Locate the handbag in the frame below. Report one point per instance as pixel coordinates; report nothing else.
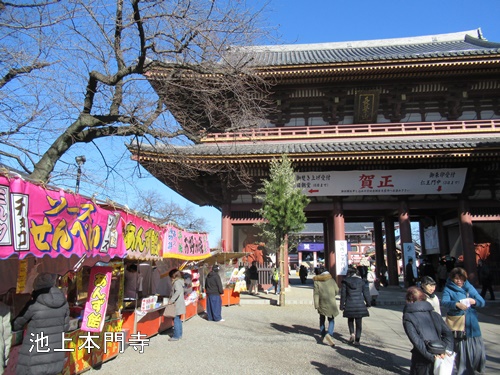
(457, 325)
(169, 311)
(435, 347)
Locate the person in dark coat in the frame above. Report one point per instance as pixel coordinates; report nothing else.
(354, 302)
(486, 279)
(409, 275)
(47, 316)
(254, 278)
(214, 289)
(422, 323)
(303, 273)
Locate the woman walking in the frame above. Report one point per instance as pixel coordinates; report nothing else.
(421, 324)
(354, 302)
(325, 290)
(461, 300)
(177, 299)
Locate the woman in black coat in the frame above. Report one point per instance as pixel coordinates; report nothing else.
(214, 289)
(47, 316)
(354, 302)
(422, 323)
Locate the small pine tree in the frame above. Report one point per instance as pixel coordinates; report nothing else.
(282, 209)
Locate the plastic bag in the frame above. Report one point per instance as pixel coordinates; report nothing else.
(444, 366)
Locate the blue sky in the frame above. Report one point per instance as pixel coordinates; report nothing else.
(321, 21)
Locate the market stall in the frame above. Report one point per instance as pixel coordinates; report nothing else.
(232, 276)
(146, 281)
(189, 248)
(51, 230)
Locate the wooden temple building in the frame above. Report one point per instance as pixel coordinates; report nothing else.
(384, 131)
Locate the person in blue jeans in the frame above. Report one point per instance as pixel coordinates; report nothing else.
(325, 290)
(177, 299)
(214, 289)
(275, 281)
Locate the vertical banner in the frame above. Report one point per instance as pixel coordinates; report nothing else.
(341, 259)
(22, 276)
(97, 300)
(409, 252)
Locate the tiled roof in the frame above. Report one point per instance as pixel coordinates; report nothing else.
(344, 146)
(467, 43)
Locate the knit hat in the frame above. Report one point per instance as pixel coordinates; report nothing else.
(44, 280)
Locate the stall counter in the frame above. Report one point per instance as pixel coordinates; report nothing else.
(230, 297)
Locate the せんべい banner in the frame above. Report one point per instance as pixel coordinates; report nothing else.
(38, 221)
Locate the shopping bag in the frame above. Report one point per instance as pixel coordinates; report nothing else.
(444, 366)
(169, 311)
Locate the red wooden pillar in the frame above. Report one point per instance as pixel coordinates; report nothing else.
(227, 229)
(404, 224)
(467, 239)
(390, 243)
(339, 235)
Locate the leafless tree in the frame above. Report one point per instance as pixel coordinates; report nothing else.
(156, 208)
(73, 73)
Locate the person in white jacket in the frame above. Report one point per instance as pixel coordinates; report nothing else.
(371, 277)
(429, 287)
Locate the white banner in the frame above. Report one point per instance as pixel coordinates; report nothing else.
(409, 252)
(341, 260)
(390, 182)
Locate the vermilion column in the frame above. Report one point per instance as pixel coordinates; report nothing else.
(227, 229)
(339, 234)
(467, 239)
(390, 243)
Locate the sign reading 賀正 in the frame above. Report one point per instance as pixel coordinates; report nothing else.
(390, 182)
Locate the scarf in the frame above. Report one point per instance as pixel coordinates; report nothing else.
(431, 295)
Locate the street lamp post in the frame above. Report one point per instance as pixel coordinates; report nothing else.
(80, 160)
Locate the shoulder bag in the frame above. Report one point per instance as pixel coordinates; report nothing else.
(457, 325)
(435, 346)
(169, 311)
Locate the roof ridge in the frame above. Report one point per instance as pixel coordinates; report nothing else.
(437, 38)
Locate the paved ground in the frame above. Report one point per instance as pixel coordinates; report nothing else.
(259, 337)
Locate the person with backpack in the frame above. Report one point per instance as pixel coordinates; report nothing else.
(275, 280)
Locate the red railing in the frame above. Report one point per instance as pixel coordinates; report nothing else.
(355, 130)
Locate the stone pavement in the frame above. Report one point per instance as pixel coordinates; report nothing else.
(259, 337)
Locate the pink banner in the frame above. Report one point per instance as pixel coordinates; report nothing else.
(142, 239)
(94, 314)
(185, 245)
(39, 221)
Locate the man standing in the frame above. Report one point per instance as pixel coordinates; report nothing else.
(325, 290)
(214, 289)
(409, 276)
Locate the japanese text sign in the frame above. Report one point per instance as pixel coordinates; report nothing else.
(97, 302)
(185, 245)
(390, 182)
(39, 221)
